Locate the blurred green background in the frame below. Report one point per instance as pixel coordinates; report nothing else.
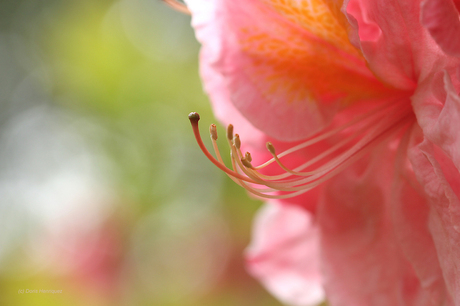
(104, 194)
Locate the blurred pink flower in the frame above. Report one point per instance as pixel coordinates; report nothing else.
(363, 95)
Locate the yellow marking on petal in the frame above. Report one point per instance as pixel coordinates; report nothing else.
(319, 17)
(305, 54)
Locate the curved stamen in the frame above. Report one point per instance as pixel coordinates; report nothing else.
(378, 111)
(298, 191)
(194, 118)
(323, 155)
(368, 131)
(372, 133)
(286, 185)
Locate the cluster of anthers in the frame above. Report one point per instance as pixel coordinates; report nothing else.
(358, 136)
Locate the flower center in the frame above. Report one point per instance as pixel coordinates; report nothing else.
(358, 137)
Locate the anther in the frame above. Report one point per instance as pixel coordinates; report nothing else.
(194, 117)
(230, 132)
(246, 163)
(369, 130)
(237, 141)
(248, 157)
(213, 131)
(271, 148)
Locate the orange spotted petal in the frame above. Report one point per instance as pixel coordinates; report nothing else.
(287, 65)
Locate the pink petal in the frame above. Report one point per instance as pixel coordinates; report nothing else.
(410, 219)
(284, 254)
(441, 182)
(363, 261)
(399, 50)
(224, 111)
(441, 19)
(286, 78)
(204, 14)
(437, 106)
(384, 38)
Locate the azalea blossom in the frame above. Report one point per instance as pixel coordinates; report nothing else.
(350, 116)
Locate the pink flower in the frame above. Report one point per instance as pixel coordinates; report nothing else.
(363, 94)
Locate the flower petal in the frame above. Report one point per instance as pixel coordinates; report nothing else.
(287, 65)
(226, 112)
(410, 218)
(441, 19)
(384, 38)
(363, 262)
(441, 183)
(437, 106)
(398, 48)
(284, 254)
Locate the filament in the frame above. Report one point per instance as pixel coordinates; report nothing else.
(360, 136)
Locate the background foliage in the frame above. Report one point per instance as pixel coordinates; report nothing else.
(103, 192)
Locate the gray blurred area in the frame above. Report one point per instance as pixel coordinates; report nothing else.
(103, 192)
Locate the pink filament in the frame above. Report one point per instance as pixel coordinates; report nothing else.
(374, 127)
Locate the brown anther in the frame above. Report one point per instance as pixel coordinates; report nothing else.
(230, 132)
(271, 148)
(248, 157)
(193, 117)
(237, 141)
(246, 163)
(369, 130)
(213, 131)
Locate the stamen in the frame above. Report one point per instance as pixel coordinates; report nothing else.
(314, 180)
(318, 158)
(335, 131)
(367, 131)
(194, 118)
(230, 132)
(246, 163)
(271, 148)
(213, 131)
(248, 156)
(237, 141)
(377, 128)
(178, 6)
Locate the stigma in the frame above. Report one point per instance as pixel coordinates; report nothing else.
(358, 137)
